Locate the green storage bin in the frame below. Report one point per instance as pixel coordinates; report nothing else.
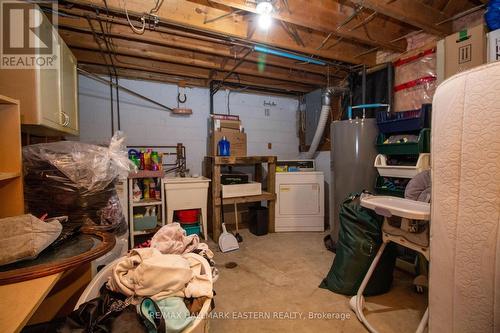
(380, 188)
(192, 229)
(145, 223)
(408, 148)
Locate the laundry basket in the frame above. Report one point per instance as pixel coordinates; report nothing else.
(199, 325)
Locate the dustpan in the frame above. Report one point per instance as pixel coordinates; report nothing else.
(227, 241)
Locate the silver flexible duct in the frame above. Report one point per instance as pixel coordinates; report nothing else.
(323, 118)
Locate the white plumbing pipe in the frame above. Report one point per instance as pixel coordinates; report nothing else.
(323, 118)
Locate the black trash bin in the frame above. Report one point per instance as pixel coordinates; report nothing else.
(259, 221)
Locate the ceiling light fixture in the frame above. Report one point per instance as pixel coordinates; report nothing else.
(264, 8)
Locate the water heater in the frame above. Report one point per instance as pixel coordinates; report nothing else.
(352, 157)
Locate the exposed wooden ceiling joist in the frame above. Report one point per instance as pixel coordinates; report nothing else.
(193, 15)
(143, 75)
(325, 16)
(153, 66)
(411, 12)
(195, 59)
(171, 38)
(190, 82)
(455, 6)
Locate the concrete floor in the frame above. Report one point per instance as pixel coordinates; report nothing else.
(278, 276)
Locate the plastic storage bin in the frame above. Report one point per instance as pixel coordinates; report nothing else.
(259, 223)
(402, 171)
(241, 190)
(408, 148)
(406, 121)
(188, 216)
(145, 223)
(192, 229)
(397, 190)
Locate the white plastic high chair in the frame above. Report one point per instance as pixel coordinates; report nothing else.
(408, 210)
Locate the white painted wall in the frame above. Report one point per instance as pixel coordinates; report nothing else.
(147, 124)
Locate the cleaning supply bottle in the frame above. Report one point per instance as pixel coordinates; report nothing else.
(142, 165)
(133, 155)
(224, 147)
(160, 161)
(145, 189)
(153, 211)
(152, 189)
(158, 189)
(147, 160)
(155, 161)
(136, 192)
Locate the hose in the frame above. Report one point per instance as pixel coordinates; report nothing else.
(325, 111)
(323, 118)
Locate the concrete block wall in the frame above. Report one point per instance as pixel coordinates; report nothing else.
(266, 118)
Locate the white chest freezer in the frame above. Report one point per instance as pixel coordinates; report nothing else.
(300, 203)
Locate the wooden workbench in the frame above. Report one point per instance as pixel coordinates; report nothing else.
(212, 170)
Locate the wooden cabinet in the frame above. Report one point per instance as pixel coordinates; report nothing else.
(48, 97)
(11, 182)
(69, 89)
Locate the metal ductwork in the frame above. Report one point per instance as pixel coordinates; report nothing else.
(323, 118)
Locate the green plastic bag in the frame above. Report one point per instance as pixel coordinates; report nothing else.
(360, 237)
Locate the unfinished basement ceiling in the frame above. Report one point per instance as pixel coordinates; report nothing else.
(196, 42)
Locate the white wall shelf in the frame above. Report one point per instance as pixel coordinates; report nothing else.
(160, 212)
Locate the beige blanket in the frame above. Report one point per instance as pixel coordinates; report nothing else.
(147, 272)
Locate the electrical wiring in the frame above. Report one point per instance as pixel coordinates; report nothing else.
(156, 8)
(152, 12)
(138, 31)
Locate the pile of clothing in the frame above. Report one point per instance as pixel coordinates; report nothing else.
(160, 288)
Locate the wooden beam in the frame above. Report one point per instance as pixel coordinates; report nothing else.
(159, 67)
(149, 76)
(181, 40)
(192, 15)
(143, 75)
(178, 56)
(411, 12)
(456, 7)
(325, 16)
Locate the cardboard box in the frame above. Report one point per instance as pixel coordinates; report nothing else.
(494, 46)
(237, 141)
(464, 50)
(220, 124)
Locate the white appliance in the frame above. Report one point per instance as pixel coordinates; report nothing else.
(300, 201)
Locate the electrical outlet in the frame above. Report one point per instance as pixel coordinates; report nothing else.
(267, 112)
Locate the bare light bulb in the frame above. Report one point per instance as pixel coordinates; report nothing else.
(265, 21)
(264, 7)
